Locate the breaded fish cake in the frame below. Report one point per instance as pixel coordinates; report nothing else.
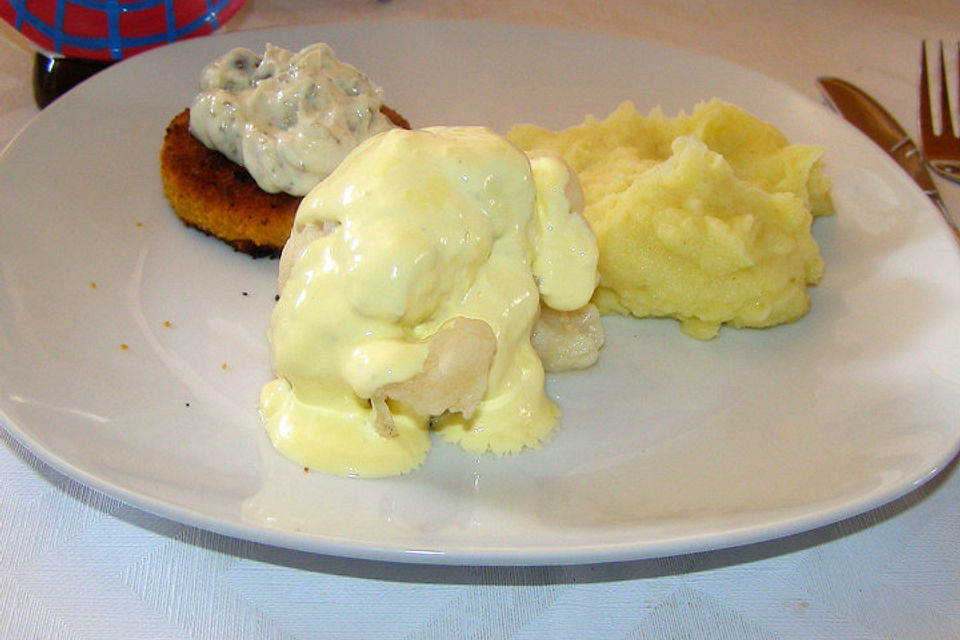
(213, 194)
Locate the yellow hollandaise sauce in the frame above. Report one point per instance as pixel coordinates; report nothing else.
(409, 287)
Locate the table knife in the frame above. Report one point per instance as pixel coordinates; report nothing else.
(867, 115)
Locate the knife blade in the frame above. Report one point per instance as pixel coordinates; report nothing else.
(866, 114)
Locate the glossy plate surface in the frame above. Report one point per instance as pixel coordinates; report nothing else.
(669, 445)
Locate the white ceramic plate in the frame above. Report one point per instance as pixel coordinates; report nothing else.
(669, 445)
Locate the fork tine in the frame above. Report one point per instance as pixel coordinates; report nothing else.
(946, 121)
(940, 151)
(926, 114)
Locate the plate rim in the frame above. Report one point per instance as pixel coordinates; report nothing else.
(588, 554)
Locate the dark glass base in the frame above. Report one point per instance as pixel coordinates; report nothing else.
(52, 77)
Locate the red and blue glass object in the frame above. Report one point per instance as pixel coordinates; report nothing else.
(95, 33)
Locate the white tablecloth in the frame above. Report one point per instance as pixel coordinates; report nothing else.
(77, 564)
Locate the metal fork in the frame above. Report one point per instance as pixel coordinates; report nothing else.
(942, 150)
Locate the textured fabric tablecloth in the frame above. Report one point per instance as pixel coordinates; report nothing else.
(77, 564)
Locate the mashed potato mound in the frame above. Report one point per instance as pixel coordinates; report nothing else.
(703, 217)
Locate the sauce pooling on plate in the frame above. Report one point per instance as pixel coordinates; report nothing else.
(410, 287)
(289, 118)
